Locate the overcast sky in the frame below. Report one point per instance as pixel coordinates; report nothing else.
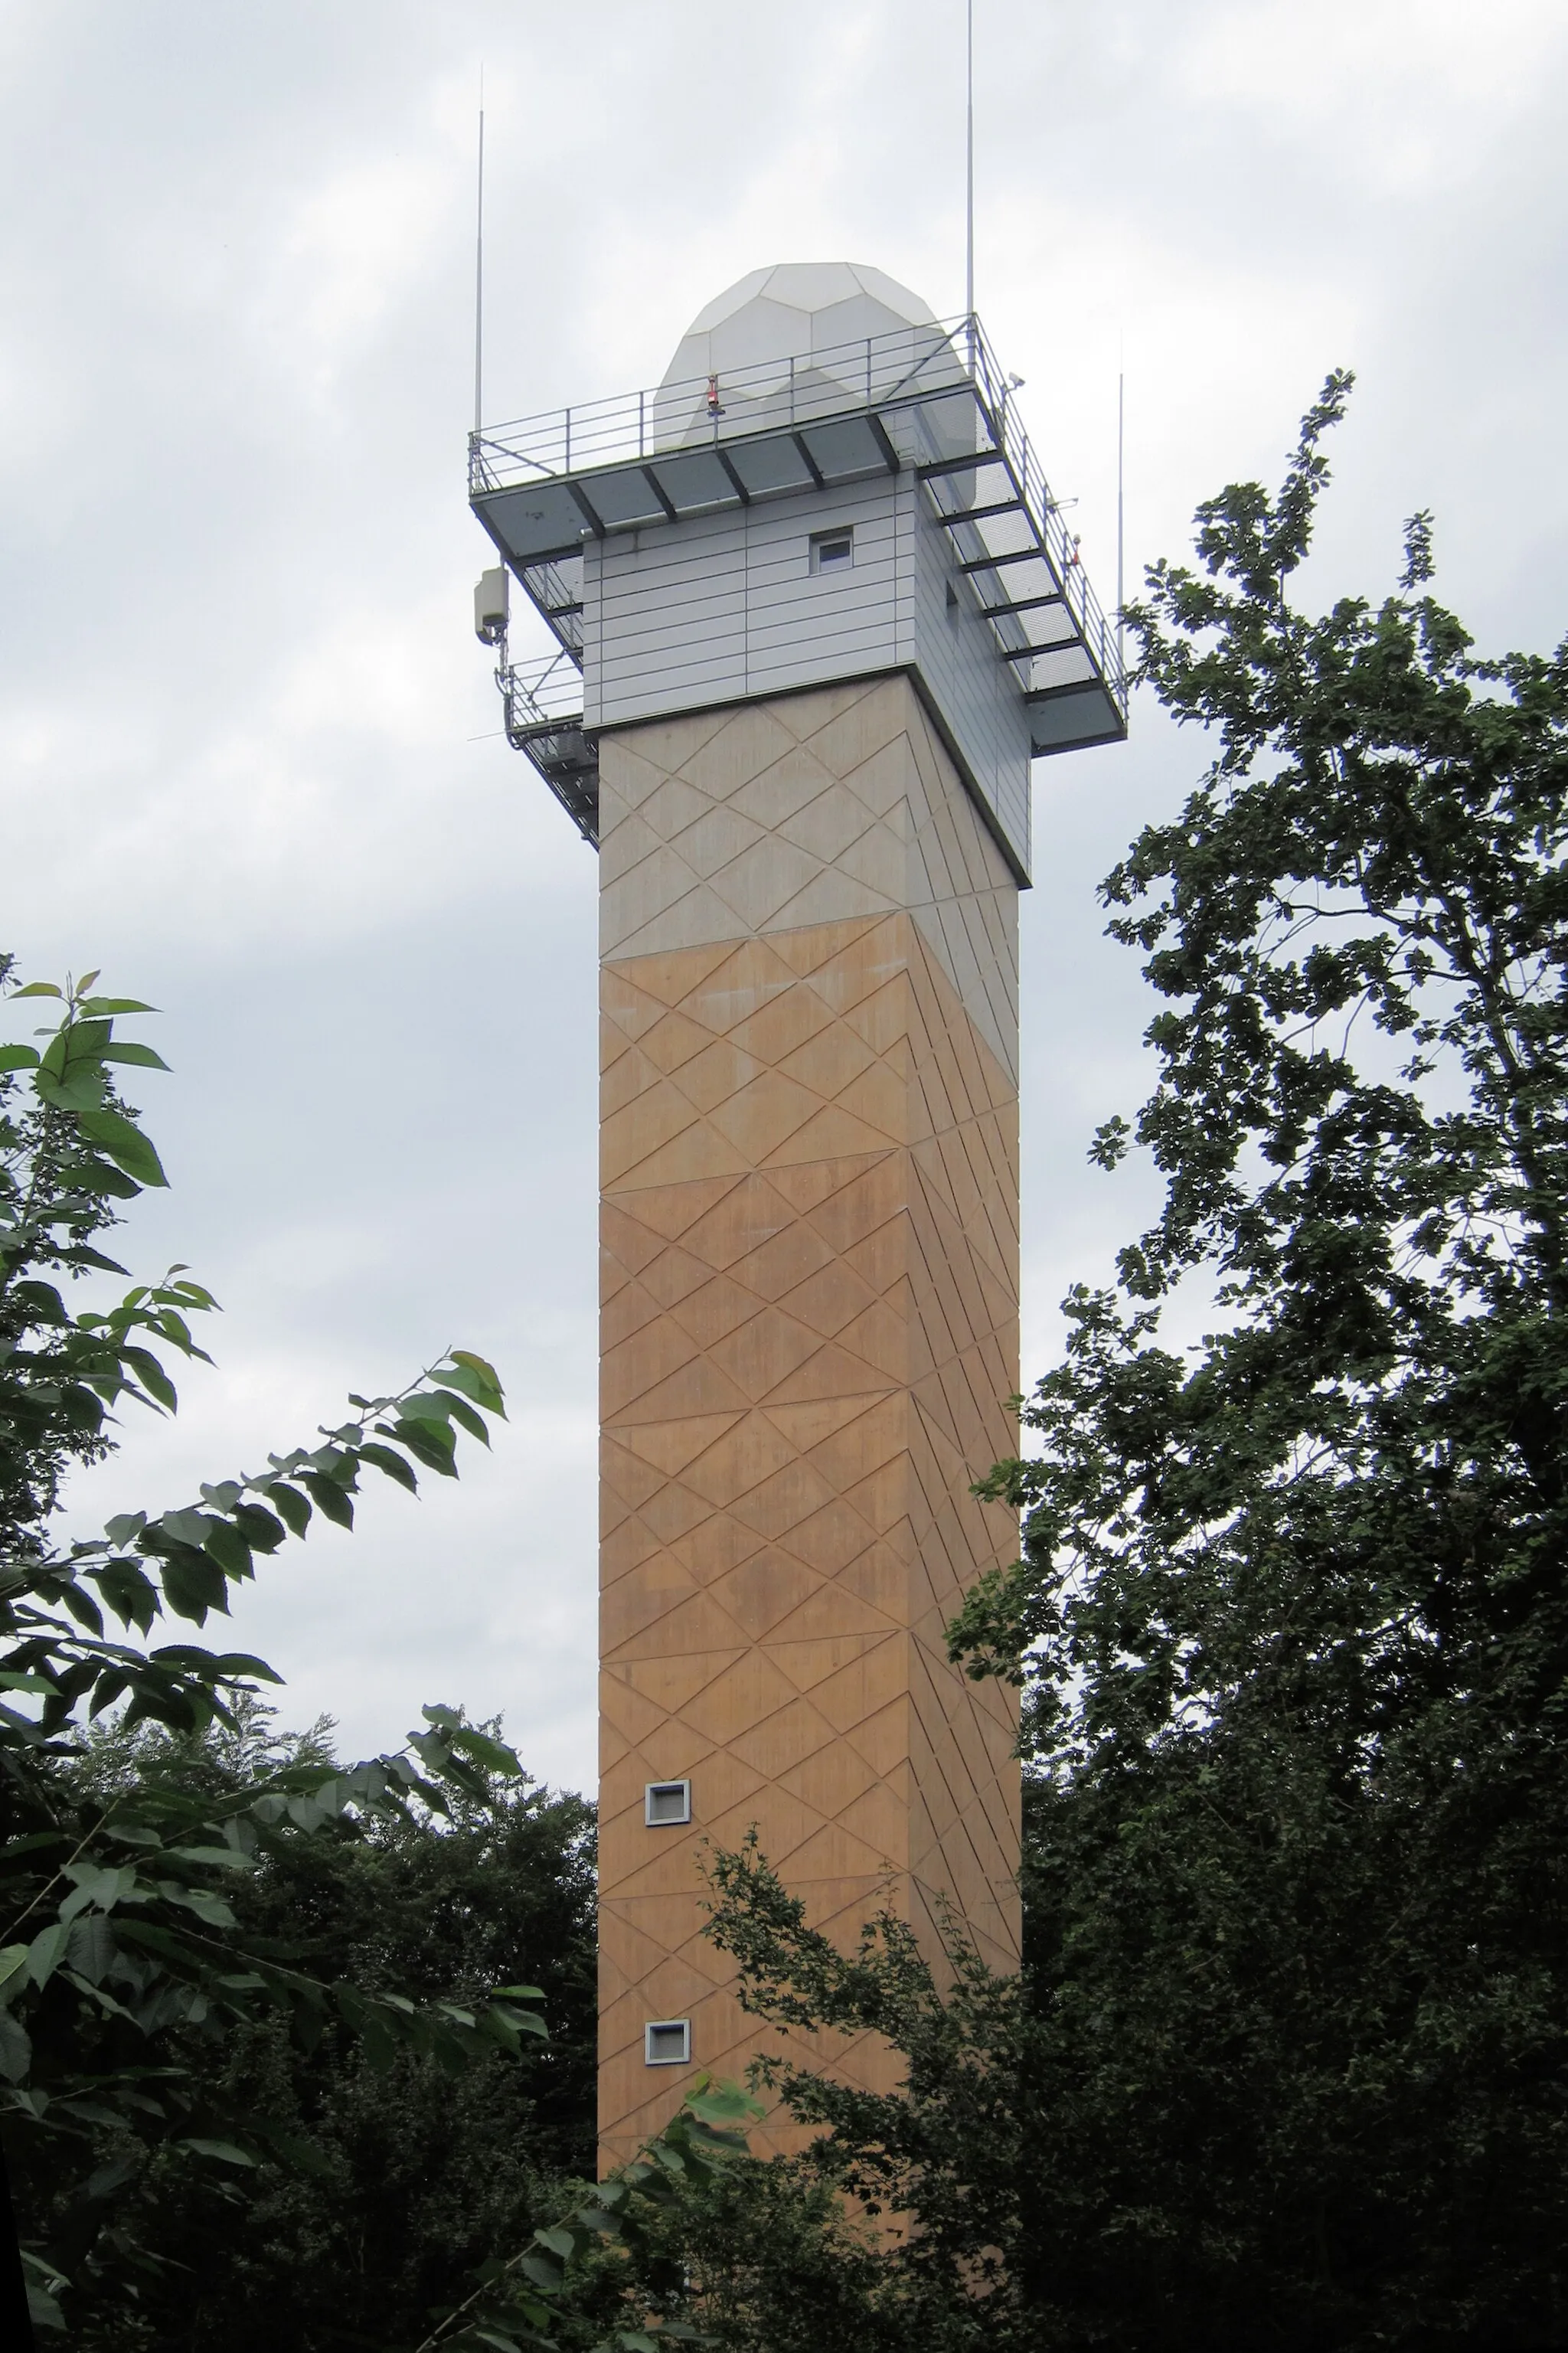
(248, 746)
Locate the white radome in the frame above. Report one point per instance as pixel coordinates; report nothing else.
(793, 310)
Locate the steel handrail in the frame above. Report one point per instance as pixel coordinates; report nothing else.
(840, 382)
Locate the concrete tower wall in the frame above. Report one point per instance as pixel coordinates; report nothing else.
(809, 1232)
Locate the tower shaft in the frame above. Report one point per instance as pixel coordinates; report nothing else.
(809, 1228)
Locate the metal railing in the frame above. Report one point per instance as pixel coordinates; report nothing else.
(1011, 443)
(906, 364)
(905, 376)
(542, 695)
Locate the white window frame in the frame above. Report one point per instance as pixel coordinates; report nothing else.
(682, 2058)
(821, 540)
(652, 1789)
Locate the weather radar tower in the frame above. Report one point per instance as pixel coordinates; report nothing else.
(815, 612)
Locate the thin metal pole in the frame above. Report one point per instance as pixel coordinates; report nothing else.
(969, 162)
(480, 272)
(1121, 518)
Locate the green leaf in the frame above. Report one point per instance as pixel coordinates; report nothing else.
(43, 2305)
(227, 1665)
(224, 2150)
(93, 1947)
(475, 1379)
(330, 1500)
(16, 2049)
(201, 1902)
(112, 1005)
(193, 1584)
(129, 1591)
(543, 2271)
(81, 1091)
(151, 1375)
(13, 1959)
(465, 1414)
(493, 1755)
(18, 1057)
(430, 1408)
(83, 1607)
(187, 1527)
(431, 1443)
(261, 1530)
(391, 1464)
(44, 1954)
(100, 1884)
(126, 1049)
(229, 1549)
(124, 1144)
(291, 1506)
(512, 2022)
(38, 988)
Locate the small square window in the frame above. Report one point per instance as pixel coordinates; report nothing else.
(666, 1801)
(667, 2041)
(833, 551)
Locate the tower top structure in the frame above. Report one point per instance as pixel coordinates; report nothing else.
(829, 482)
(795, 310)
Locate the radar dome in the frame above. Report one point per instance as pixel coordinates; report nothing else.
(794, 311)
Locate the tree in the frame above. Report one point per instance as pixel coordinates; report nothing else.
(118, 1935)
(1289, 2064)
(378, 2190)
(753, 2256)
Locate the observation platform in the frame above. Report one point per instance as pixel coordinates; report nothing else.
(923, 401)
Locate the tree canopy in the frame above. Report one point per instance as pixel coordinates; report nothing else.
(1289, 2065)
(381, 2181)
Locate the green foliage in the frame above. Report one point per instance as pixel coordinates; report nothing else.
(1289, 2062)
(118, 1934)
(377, 2189)
(760, 2257)
(965, 2150)
(1292, 1618)
(556, 2290)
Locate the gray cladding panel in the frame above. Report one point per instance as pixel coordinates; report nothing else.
(974, 690)
(720, 606)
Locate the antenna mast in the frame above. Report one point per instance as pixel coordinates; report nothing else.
(1121, 518)
(480, 272)
(969, 161)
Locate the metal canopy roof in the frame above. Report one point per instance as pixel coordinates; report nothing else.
(548, 517)
(930, 399)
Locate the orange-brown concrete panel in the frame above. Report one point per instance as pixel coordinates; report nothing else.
(810, 1329)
